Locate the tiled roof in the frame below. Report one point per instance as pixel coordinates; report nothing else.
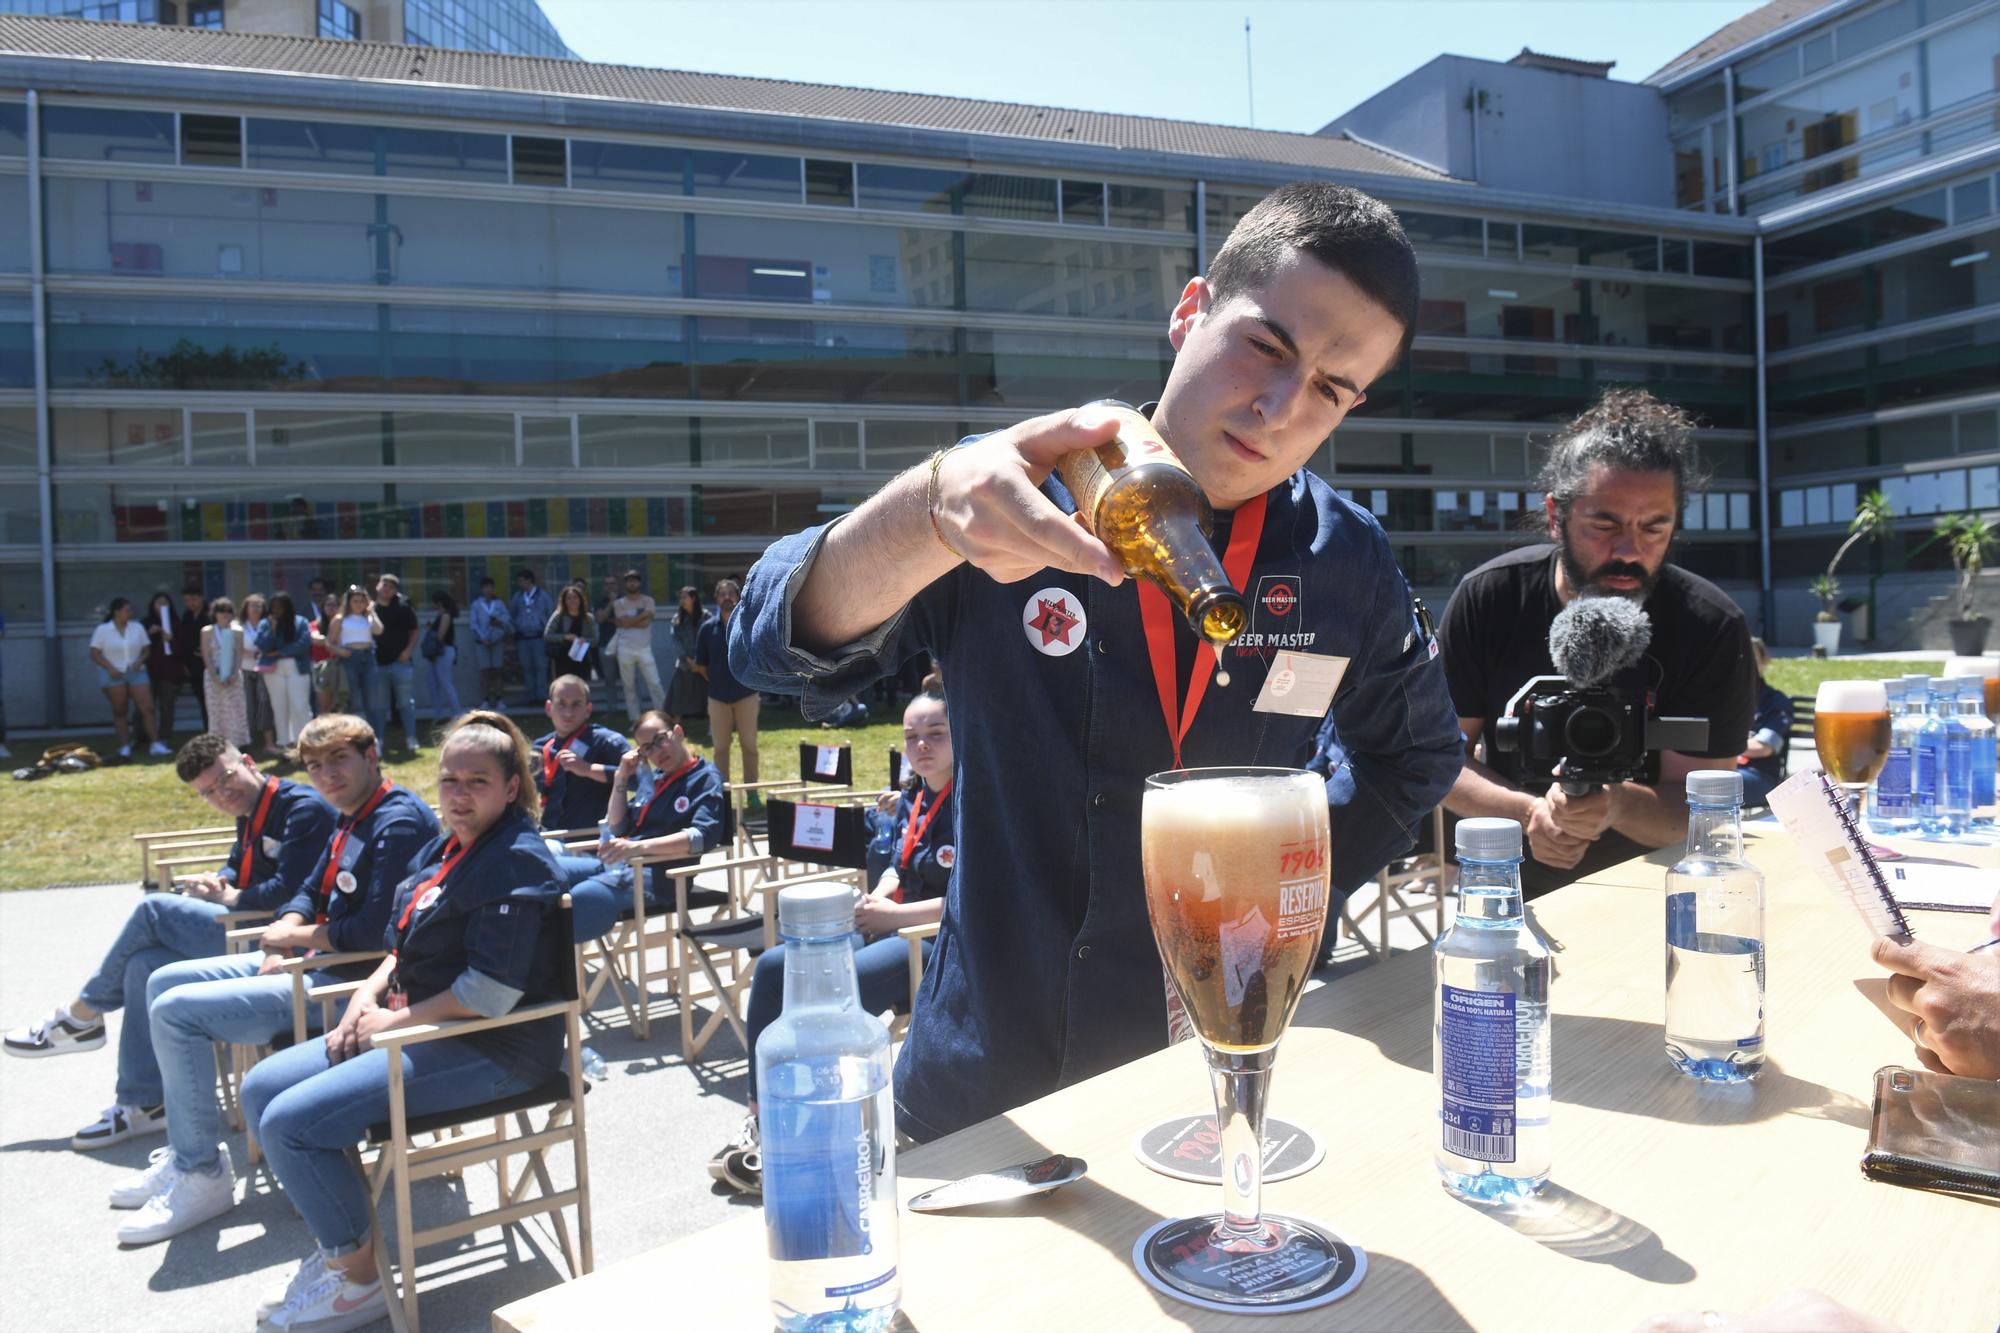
(438, 68)
(1729, 36)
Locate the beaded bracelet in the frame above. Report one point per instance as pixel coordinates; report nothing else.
(931, 503)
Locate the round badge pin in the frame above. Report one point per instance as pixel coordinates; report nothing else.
(1311, 1275)
(429, 900)
(947, 856)
(345, 881)
(1188, 1147)
(1054, 622)
(680, 805)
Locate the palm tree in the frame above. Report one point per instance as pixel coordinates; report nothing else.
(1871, 519)
(1970, 539)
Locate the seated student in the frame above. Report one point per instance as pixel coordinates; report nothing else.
(576, 761)
(1763, 759)
(342, 906)
(281, 828)
(473, 934)
(910, 893)
(666, 801)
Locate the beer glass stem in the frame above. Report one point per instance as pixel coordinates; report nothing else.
(1242, 1085)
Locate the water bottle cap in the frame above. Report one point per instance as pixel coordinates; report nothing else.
(1715, 786)
(816, 910)
(1489, 840)
(1917, 683)
(1971, 687)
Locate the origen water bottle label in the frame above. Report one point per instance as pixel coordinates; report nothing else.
(1477, 1040)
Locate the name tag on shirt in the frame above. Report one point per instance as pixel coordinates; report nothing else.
(271, 846)
(1300, 684)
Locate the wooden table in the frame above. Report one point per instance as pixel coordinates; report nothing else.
(1666, 1195)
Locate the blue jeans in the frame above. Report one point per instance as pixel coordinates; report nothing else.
(195, 1004)
(490, 656)
(444, 691)
(881, 968)
(396, 682)
(597, 893)
(534, 655)
(361, 672)
(163, 928)
(308, 1113)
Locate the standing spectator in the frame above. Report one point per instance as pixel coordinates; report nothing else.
(189, 620)
(686, 696)
(119, 647)
(607, 628)
(491, 629)
(256, 677)
(528, 611)
(317, 592)
(355, 629)
(441, 656)
(395, 673)
(329, 678)
(633, 613)
(286, 641)
(570, 631)
(165, 668)
(222, 674)
(732, 705)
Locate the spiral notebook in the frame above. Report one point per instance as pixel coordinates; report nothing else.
(1814, 812)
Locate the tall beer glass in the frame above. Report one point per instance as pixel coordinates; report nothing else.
(1851, 733)
(1235, 864)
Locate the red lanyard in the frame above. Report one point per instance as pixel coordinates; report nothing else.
(552, 751)
(659, 790)
(1156, 613)
(339, 844)
(913, 832)
(453, 854)
(254, 831)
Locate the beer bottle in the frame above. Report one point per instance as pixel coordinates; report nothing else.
(1138, 498)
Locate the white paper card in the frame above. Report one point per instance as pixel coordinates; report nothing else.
(1942, 888)
(826, 760)
(812, 826)
(1300, 684)
(579, 650)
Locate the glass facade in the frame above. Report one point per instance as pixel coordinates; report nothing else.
(513, 27)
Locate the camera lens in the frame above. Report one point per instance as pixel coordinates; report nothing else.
(1590, 732)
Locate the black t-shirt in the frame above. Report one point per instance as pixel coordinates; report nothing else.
(1495, 637)
(399, 626)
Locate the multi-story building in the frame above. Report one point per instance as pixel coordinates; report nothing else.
(515, 27)
(454, 315)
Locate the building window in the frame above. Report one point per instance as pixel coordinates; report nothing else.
(205, 14)
(540, 161)
(337, 21)
(211, 141)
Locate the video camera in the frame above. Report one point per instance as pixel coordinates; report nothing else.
(1598, 732)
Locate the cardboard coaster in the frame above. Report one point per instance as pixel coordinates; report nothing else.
(1188, 1147)
(1320, 1277)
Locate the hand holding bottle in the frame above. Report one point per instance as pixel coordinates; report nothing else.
(988, 507)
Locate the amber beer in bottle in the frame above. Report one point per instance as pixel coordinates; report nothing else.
(1138, 498)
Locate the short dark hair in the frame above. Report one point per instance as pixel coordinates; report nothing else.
(1354, 234)
(201, 753)
(527, 574)
(488, 582)
(191, 589)
(1626, 429)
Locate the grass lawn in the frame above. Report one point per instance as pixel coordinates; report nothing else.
(1802, 675)
(73, 828)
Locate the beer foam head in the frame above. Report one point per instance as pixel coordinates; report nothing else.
(1235, 813)
(1987, 667)
(1851, 696)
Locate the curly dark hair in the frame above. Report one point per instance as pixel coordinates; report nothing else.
(1627, 429)
(201, 753)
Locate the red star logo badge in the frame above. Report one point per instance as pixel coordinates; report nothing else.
(1054, 621)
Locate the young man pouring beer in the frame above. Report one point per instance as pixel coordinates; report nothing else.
(1071, 682)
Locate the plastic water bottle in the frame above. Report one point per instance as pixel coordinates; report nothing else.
(1924, 759)
(1985, 757)
(1892, 797)
(1715, 940)
(1490, 1027)
(828, 1128)
(1945, 753)
(592, 1064)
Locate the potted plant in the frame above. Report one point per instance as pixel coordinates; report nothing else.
(1970, 539)
(1871, 519)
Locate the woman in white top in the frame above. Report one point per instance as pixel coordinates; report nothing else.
(256, 677)
(223, 667)
(118, 647)
(351, 639)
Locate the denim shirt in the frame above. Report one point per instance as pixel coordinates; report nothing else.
(491, 621)
(1045, 970)
(530, 612)
(292, 840)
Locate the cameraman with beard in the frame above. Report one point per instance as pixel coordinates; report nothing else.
(1617, 481)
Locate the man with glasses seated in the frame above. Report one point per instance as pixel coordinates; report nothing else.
(666, 806)
(281, 829)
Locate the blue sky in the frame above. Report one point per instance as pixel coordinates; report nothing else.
(1183, 59)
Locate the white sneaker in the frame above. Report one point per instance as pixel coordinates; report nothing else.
(61, 1033)
(124, 752)
(746, 1138)
(326, 1302)
(158, 748)
(186, 1200)
(308, 1271)
(117, 1124)
(135, 1189)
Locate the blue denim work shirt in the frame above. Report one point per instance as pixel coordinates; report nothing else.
(1045, 970)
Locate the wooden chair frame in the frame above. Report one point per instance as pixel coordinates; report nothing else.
(1429, 874)
(151, 843)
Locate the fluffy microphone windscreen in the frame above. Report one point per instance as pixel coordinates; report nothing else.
(1594, 638)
